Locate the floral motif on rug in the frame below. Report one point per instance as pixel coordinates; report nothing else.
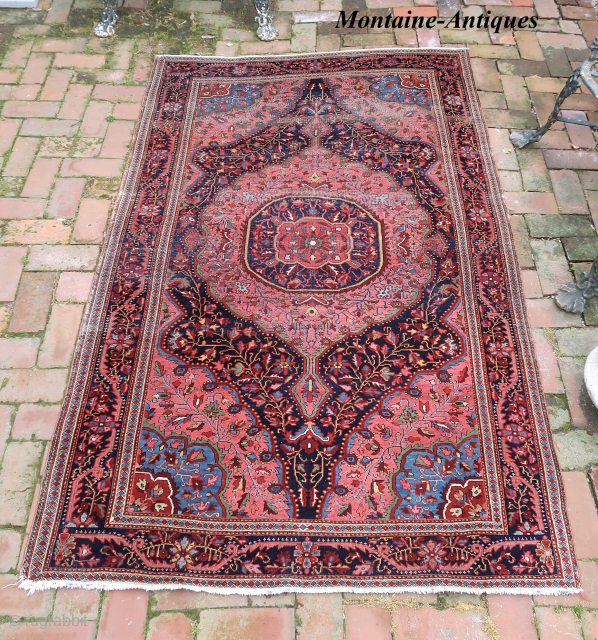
(306, 362)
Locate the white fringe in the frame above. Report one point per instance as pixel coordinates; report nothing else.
(32, 586)
(311, 54)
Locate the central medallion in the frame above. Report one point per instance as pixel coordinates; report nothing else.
(313, 244)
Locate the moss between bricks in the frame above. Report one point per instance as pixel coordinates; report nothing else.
(462, 602)
(191, 614)
(179, 33)
(97, 187)
(160, 21)
(581, 249)
(590, 313)
(558, 412)
(12, 17)
(11, 187)
(577, 450)
(491, 629)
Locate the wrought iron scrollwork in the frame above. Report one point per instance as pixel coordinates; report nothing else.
(108, 19)
(572, 297)
(265, 31)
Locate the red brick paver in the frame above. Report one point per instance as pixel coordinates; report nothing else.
(558, 625)
(41, 178)
(22, 155)
(82, 603)
(10, 543)
(91, 221)
(33, 302)
(319, 616)
(513, 616)
(11, 208)
(44, 631)
(184, 599)
(65, 197)
(35, 420)
(247, 624)
(170, 626)
(18, 353)
(583, 517)
(15, 601)
(11, 266)
(8, 132)
(123, 614)
(73, 286)
(367, 623)
(61, 333)
(426, 623)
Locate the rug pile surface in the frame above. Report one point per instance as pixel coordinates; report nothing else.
(306, 362)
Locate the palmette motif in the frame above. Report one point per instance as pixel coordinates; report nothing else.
(306, 363)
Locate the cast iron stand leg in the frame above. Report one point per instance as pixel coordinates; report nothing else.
(572, 297)
(584, 73)
(108, 19)
(265, 30)
(521, 138)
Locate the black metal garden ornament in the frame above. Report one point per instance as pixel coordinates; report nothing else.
(572, 296)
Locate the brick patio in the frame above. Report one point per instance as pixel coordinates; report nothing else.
(68, 104)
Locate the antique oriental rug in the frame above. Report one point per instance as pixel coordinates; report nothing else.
(306, 362)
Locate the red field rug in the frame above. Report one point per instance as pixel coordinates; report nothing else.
(306, 362)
